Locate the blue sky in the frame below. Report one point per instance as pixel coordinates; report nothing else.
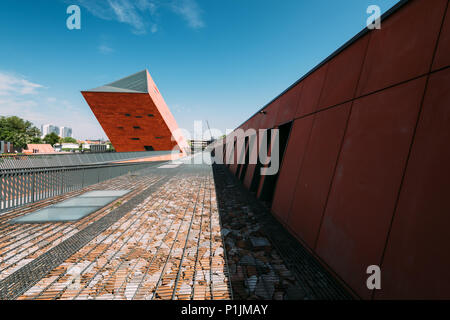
(216, 60)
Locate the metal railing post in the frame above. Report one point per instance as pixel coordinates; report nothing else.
(1, 191)
(63, 172)
(33, 183)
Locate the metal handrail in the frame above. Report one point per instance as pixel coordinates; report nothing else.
(59, 160)
(19, 187)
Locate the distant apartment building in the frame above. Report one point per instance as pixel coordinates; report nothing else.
(65, 132)
(49, 128)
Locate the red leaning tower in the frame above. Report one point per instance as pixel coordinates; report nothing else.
(134, 115)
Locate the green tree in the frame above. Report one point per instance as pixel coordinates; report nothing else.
(36, 140)
(51, 138)
(111, 147)
(18, 131)
(69, 140)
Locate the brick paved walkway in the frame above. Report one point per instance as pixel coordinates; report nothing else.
(185, 231)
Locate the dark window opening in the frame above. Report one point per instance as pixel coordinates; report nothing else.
(127, 115)
(256, 177)
(135, 139)
(257, 173)
(240, 154)
(270, 182)
(151, 115)
(139, 117)
(224, 153)
(120, 128)
(149, 148)
(233, 160)
(159, 137)
(238, 169)
(136, 127)
(246, 159)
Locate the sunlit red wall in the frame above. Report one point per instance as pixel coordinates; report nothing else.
(366, 174)
(133, 121)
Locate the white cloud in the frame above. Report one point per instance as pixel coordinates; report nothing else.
(190, 11)
(22, 98)
(141, 15)
(105, 49)
(13, 84)
(126, 12)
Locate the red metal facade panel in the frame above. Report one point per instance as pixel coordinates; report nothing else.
(312, 87)
(256, 122)
(271, 112)
(442, 57)
(267, 122)
(404, 47)
(250, 123)
(338, 88)
(292, 163)
(125, 117)
(314, 181)
(165, 113)
(249, 174)
(349, 231)
(251, 167)
(289, 104)
(417, 259)
(367, 180)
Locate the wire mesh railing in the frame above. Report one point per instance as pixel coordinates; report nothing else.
(19, 187)
(59, 160)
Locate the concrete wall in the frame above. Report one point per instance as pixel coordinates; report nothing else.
(365, 177)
